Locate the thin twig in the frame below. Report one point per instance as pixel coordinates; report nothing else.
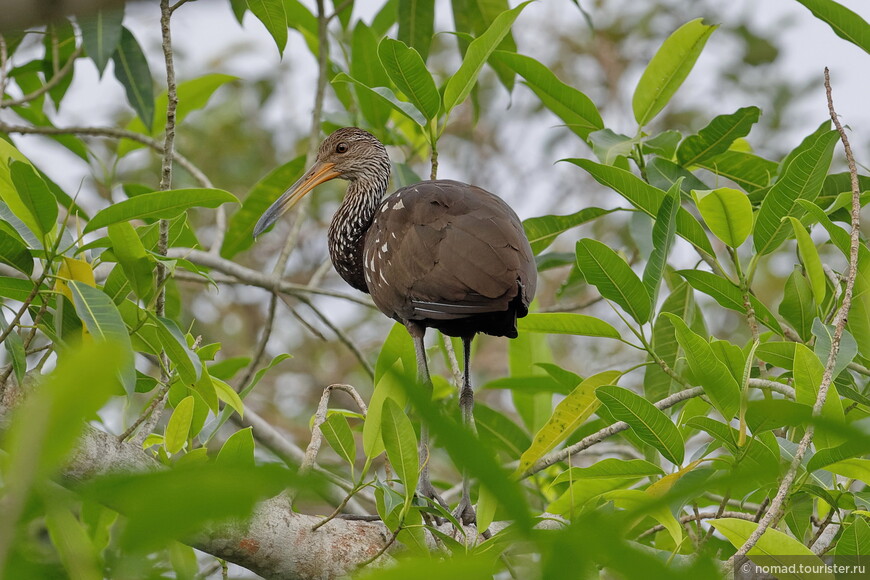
(382, 550)
(340, 334)
(261, 344)
(698, 517)
(220, 226)
(157, 400)
(238, 274)
(619, 426)
(113, 133)
(52, 82)
(773, 514)
(4, 60)
(825, 523)
(316, 436)
(339, 9)
(571, 306)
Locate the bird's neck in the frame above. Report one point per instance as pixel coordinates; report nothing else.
(348, 229)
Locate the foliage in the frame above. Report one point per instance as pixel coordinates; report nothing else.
(94, 320)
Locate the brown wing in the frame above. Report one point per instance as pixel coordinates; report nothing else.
(444, 251)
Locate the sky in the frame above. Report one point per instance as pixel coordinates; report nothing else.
(206, 35)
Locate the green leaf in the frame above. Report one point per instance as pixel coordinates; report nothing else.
(808, 371)
(32, 201)
(729, 295)
(568, 415)
(802, 179)
(797, 306)
(567, 323)
(400, 443)
(369, 72)
(717, 137)
(178, 427)
(387, 96)
(648, 423)
(854, 468)
(99, 313)
(192, 95)
(774, 548)
(131, 69)
(59, 41)
(656, 382)
(609, 469)
(663, 174)
(604, 269)
(728, 214)
(473, 17)
(15, 254)
(855, 539)
(543, 231)
(271, 13)
(708, 371)
(810, 259)
(172, 340)
(14, 345)
(176, 503)
(668, 69)
(238, 449)
(408, 71)
(128, 249)
(46, 427)
(611, 148)
(573, 107)
(646, 198)
(229, 396)
(463, 80)
(416, 24)
(845, 23)
(663, 234)
(101, 34)
(159, 205)
(749, 171)
(498, 431)
(74, 546)
(239, 236)
(824, 334)
(396, 362)
(337, 432)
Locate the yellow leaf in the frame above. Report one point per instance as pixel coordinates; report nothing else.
(73, 269)
(568, 415)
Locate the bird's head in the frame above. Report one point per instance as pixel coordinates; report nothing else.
(349, 153)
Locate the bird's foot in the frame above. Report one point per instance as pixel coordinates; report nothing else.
(464, 512)
(427, 490)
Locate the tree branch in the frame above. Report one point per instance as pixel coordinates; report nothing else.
(112, 133)
(50, 84)
(244, 275)
(773, 514)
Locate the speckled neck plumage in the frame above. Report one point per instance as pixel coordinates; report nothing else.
(352, 220)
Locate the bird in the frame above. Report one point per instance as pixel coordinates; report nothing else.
(436, 254)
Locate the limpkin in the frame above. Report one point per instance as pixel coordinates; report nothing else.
(437, 254)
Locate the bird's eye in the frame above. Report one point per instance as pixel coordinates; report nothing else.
(341, 148)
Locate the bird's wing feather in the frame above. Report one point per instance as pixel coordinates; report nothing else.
(446, 250)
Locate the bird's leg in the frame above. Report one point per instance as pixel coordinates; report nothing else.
(424, 486)
(464, 511)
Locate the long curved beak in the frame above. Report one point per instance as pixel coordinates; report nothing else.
(319, 173)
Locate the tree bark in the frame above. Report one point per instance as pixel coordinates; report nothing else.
(275, 542)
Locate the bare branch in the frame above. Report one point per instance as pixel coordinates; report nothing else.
(55, 79)
(774, 513)
(698, 517)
